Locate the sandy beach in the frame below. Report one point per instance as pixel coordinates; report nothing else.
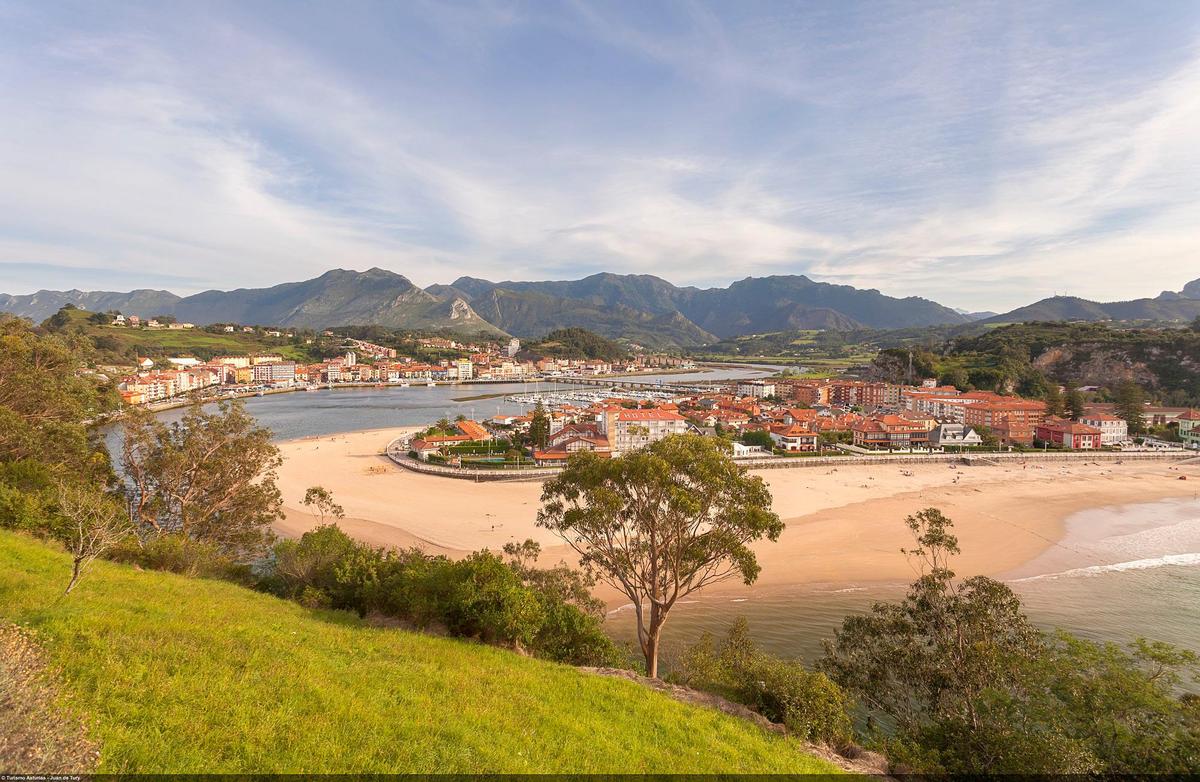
(844, 524)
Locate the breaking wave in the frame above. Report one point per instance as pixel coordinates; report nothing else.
(1192, 558)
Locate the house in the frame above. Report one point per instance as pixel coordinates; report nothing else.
(561, 449)
(743, 451)
(631, 429)
(1189, 427)
(794, 438)
(954, 435)
(473, 430)
(1113, 429)
(145, 363)
(758, 389)
(889, 431)
(1068, 434)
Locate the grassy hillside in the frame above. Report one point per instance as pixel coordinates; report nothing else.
(120, 344)
(182, 675)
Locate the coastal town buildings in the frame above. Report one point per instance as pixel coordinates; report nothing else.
(1189, 428)
(1113, 430)
(628, 430)
(954, 435)
(1068, 434)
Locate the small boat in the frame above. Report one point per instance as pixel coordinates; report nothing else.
(404, 384)
(431, 384)
(312, 388)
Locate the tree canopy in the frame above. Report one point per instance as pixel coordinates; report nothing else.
(661, 522)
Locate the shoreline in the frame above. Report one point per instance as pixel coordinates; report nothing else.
(844, 523)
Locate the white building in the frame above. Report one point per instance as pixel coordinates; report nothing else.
(277, 372)
(759, 389)
(466, 370)
(629, 430)
(1113, 430)
(514, 346)
(954, 434)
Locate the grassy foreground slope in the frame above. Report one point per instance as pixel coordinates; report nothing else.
(183, 675)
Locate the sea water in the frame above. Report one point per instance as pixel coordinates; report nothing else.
(1119, 573)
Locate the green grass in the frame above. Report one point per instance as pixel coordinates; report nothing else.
(183, 675)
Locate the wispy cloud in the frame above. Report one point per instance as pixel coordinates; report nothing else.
(972, 154)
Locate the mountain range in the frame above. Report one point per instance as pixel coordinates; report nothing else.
(1180, 305)
(639, 308)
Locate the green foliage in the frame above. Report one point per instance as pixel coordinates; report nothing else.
(1075, 403)
(209, 476)
(181, 555)
(550, 612)
(759, 437)
(539, 426)
(661, 522)
(576, 343)
(809, 704)
(178, 675)
(1083, 353)
(957, 377)
(1131, 401)
(969, 686)
(47, 399)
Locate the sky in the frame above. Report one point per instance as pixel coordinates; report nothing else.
(984, 155)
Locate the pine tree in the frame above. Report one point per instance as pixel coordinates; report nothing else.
(1131, 400)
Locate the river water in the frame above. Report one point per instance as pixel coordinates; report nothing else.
(328, 411)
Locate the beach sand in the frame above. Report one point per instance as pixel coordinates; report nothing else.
(844, 524)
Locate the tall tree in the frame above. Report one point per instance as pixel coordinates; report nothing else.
(660, 523)
(1075, 403)
(1055, 404)
(1131, 405)
(539, 426)
(210, 476)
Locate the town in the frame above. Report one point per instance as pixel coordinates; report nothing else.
(780, 418)
(362, 363)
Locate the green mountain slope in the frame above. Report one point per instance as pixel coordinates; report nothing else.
(752, 305)
(1066, 308)
(337, 298)
(531, 314)
(183, 675)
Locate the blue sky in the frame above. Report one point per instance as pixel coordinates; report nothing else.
(981, 154)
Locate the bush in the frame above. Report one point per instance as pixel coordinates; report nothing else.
(481, 596)
(809, 704)
(180, 554)
(308, 565)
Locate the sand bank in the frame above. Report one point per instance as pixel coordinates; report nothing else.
(844, 524)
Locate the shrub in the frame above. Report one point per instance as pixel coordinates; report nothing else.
(181, 554)
(808, 703)
(309, 564)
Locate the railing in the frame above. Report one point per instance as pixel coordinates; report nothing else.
(397, 451)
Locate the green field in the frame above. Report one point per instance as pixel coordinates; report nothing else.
(120, 344)
(182, 675)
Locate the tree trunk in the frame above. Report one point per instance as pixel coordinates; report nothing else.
(74, 577)
(652, 653)
(652, 637)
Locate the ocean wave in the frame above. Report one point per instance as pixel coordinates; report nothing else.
(1191, 558)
